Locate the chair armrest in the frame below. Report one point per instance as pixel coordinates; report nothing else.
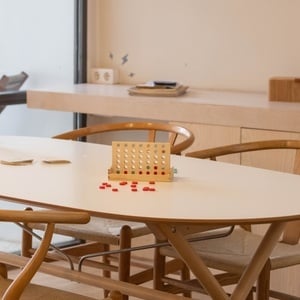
(50, 217)
(44, 216)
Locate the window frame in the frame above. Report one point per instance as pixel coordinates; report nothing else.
(80, 53)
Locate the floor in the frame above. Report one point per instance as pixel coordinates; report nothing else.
(93, 292)
(90, 291)
(10, 235)
(82, 289)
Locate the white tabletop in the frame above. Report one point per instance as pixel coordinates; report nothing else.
(202, 191)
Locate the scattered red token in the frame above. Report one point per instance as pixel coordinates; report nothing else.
(133, 186)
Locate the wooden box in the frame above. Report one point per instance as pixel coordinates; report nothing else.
(284, 89)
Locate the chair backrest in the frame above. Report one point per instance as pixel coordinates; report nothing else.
(12, 83)
(292, 231)
(151, 129)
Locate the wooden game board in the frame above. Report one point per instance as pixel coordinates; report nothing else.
(141, 161)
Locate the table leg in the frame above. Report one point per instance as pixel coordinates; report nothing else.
(258, 261)
(193, 261)
(206, 278)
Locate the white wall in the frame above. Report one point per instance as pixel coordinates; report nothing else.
(36, 37)
(219, 44)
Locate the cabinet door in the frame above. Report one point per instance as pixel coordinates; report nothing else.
(208, 136)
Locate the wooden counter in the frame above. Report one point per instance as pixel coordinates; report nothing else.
(238, 109)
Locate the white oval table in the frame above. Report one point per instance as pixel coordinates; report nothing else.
(203, 193)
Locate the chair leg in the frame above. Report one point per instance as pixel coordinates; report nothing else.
(3, 270)
(26, 244)
(162, 268)
(124, 258)
(250, 296)
(159, 270)
(114, 295)
(185, 276)
(26, 241)
(106, 273)
(263, 283)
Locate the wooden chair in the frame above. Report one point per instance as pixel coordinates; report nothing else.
(12, 83)
(97, 232)
(20, 287)
(232, 253)
(179, 137)
(8, 84)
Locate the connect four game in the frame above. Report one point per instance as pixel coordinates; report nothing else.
(141, 161)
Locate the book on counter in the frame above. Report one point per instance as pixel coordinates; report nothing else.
(158, 88)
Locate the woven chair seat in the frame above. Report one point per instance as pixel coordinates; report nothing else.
(233, 253)
(98, 229)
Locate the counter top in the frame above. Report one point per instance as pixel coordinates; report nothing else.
(227, 108)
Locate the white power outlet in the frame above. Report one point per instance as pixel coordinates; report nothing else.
(107, 76)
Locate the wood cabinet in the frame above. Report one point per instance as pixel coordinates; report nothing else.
(207, 136)
(281, 160)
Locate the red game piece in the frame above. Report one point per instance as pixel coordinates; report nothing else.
(115, 190)
(146, 188)
(151, 182)
(134, 190)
